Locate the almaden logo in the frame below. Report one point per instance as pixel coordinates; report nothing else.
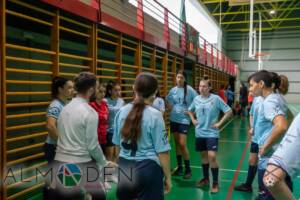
(69, 175)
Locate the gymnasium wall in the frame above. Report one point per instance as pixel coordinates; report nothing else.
(284, 47)
(125, 11)
(41, 41)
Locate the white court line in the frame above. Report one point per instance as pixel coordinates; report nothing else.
(226, 170)
(227, 124)
(221, 169)
(234, 141)
(238, 128)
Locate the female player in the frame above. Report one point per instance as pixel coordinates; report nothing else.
(159, 103)
(179, 99)
(271, 122)
(114, 102)
(254, 149)
(207, 108)
(61, 91)
(141, 137)
(100, 106)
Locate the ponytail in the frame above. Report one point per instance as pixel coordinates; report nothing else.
(133, 123)
(280, 83)
(284, 85)
(145, 86)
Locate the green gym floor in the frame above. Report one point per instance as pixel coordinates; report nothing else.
(233, 160)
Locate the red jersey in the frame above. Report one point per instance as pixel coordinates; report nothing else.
(102, 110)
(250, 98)
(222, 95)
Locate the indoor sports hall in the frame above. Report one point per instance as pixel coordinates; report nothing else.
(219, 55)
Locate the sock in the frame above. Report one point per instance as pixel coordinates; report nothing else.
(251, 175)
(187, 166)
(205, 168)
(215, 175)
(179, 161)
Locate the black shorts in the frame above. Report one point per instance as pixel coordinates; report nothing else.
(179, 128)
(141, 180)
(254, 148)
(109, 138)
(49, 150)
(207, 144)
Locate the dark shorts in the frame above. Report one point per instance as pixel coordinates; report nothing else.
(49, 150)
(141, 180)
(103, 146)
(109, 138)
(207, 144)
(254, 148)
(179, 128)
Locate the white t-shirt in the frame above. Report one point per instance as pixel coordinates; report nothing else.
(78, 140)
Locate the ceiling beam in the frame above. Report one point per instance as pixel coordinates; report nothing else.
(216, 8)
(240, 9)
(286, 14)
(255, 11)
(267, 20)
(263, 29)
(264, 16)
(224, 1)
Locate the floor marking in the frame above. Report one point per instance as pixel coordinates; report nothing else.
(233, 141)
(236, 173)
(221, 169)
(227, 124)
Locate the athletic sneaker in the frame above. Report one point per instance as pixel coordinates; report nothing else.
(215, 188)
(177, 172)
(203, 182)
(187, 175)
(243, 188)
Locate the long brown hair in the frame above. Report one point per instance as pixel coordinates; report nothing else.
(284, 85)
(281, 83)
(145, 85)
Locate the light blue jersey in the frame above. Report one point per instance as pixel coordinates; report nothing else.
(207, 111)
(287, 154)
(159, 104)
(153, 139)
(271, 107)
(254, 112)
(179, 105)
(54, 110)
(113, 106)
(283, 104)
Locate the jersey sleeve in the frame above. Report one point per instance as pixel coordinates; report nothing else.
(53, 111)
(163, 107)
(192, 107)
(272, 109)
(193, 94)
(222, 105)
(159, 135)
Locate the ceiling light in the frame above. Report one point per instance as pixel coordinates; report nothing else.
(272, 12)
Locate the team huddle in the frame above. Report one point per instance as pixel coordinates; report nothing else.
(95, 128)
